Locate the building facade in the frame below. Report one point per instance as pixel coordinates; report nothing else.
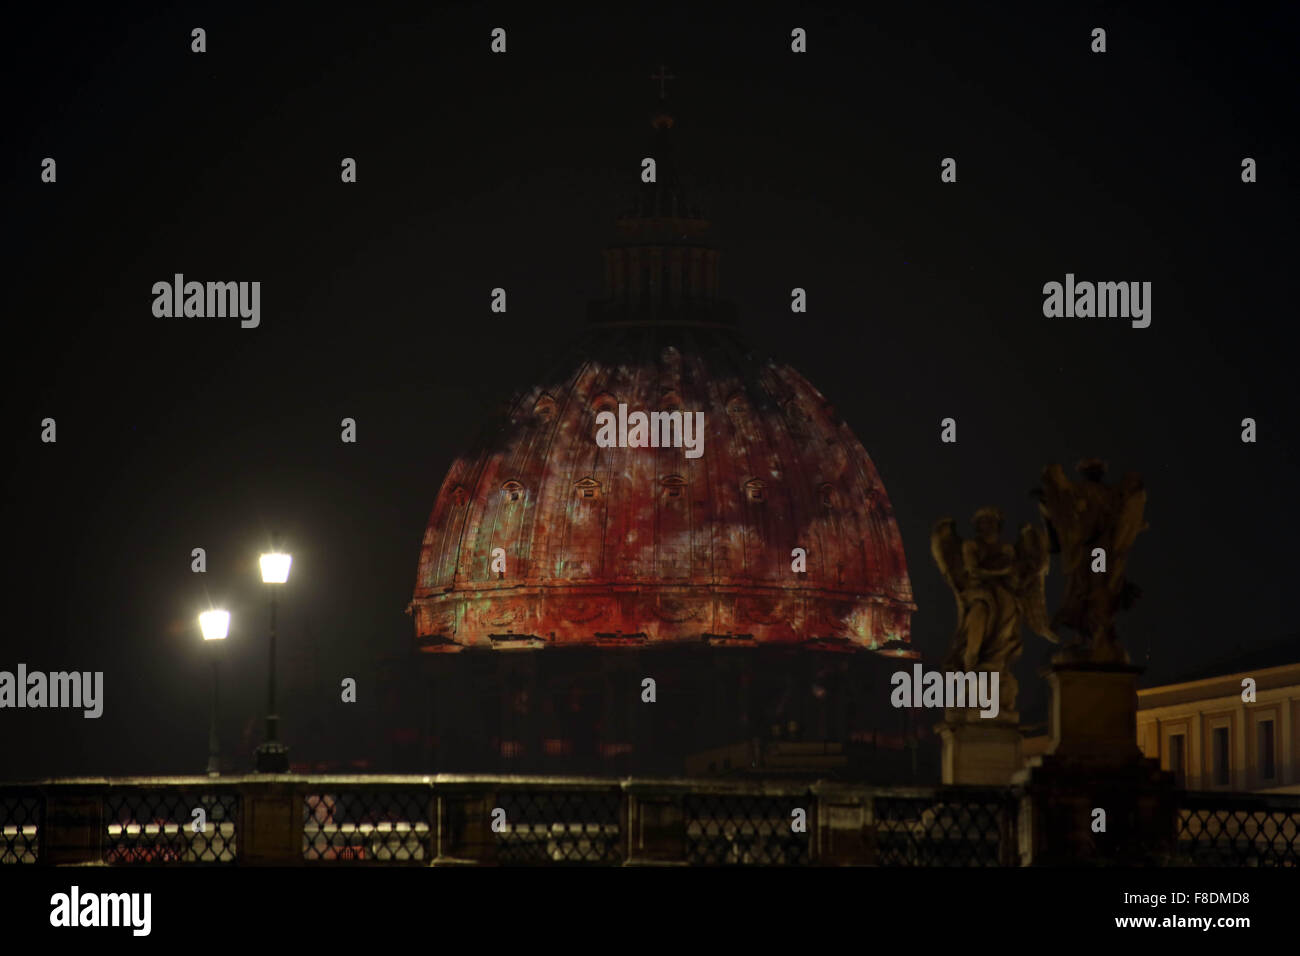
(1210, 738)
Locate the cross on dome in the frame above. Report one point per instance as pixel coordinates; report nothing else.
(662, 76)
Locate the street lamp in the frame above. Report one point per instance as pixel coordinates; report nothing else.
(215, 625)
(273, 756)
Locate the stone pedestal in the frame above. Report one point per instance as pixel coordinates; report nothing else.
(74, 830)
(1094, 771)
(656, 826)
(271, 823)
(464, 832)
(978, 751)
(1093, 711)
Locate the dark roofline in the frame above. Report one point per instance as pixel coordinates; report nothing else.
(1240, 659)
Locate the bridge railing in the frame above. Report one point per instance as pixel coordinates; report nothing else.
(1238, 829)
(502, 820)
(517, 820)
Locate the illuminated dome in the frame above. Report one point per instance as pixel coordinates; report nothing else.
(636, 546)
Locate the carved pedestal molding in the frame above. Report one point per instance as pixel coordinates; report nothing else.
(977, 751)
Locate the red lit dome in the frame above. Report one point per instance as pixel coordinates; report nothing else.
(643, 545)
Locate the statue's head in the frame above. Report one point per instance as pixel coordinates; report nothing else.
(1091, 468)
(987, 521)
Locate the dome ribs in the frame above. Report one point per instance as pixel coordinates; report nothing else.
(579, 523)
(645, 541)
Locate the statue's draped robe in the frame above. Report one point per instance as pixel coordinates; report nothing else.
(991, 638)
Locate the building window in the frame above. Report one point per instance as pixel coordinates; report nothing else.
(1222, 772)
(1264, 737)
(1178, 758)
(754, 489)
(512, 490)
(827, 494)
(587, 488)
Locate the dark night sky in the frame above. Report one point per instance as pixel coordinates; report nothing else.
(475, 171)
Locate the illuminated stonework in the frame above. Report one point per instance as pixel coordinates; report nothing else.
(651, 545)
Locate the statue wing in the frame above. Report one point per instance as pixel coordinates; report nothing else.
(1033, 558)
(1063, 510)
(945, 547)
(1130, 507)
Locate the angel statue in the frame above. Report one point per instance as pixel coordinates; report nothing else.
(1093, 526)
(998, 586)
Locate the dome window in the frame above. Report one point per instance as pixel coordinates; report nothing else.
(587, 488)
(827, 493)
(674, 486)
(545, 408)
(754, 489)
(512, 491)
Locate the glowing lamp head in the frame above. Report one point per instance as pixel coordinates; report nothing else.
(275, 567)
(215, 625)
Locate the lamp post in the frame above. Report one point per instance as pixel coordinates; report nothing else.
(215, 625)
(273, 756)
